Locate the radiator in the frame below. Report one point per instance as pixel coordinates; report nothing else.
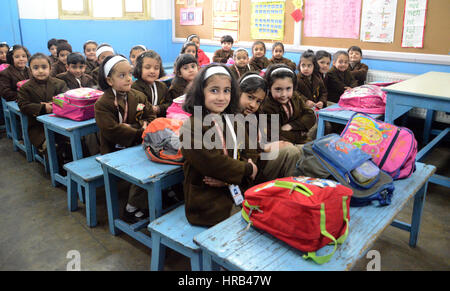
(386, 76)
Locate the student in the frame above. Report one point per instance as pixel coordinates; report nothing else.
(203, 59)
(259, 61)
(35, 97)
(241, 63)
(186, 68)
(17, 58)
(189, 48)
(148, 70)
(277, 56)
(215, 93)
(225, 53)
(90, 49)
(75, 77)
(323, 60)
(52, 46)
(339, 77)
(309, 85)
(253, 90)
(357, 69)
(122, 114)
(295, 120)
(135, 52)
(103, 51)
(4, 48)
(64, 49)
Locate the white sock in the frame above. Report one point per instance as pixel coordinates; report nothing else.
(139, 214)
(130, 208)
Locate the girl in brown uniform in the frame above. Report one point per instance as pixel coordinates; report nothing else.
(17, 58)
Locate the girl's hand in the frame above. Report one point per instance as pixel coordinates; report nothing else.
(213, 182)
(145, 124)
(286, 127)
(347, 88)
(126, 124)
(155, 109)
(310, 104)
(48, 107)
(319, 104)
(255, 170)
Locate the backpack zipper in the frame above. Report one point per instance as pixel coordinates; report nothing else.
(389, 148)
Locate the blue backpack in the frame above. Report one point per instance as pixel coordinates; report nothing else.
(350, 166)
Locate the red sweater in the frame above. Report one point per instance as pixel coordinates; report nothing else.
(202, 58)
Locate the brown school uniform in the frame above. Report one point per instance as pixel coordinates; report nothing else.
(238, 72)
(285, 61)
(177, 89)
(53, 60)
(72, 83)
(359, 72)
(259, 63)
(57, 68)
(221, 56)
(90, 66)
(111, 131)
(31, 94)
(147, 89)
(206, 205)
(313, 89)
(9, 79)
(337, 80)
(94, 74)
(300, 118)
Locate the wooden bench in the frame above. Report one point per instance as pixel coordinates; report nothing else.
(174, 231)
(230, 245)
(88, 174)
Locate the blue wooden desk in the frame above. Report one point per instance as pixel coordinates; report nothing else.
(230, 245)
(19, 132)
(72, 129)
(430, 91)
(339, 116)
(132, 165)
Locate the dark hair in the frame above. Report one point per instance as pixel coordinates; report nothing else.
(4, 44)
(52, 42)
(182, 60)
(322, 54)
(64, 46)
(270, 78)
(138, 47)
(252, 85)
(195, 95)
(337, 54)
(89, 42)
(188, 44)
(227, 38)
(10, 53)
(40, 56)
(190, 37)
(101, 73)
(355, 48)
(309, 54)
(278, 44)
(76, 58)
(140, 61)
(258, 42)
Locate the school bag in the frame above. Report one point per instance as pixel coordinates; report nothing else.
(306, 213)
(175, 110)
(3, 67)
(161, 141)
(76, 104)
(366, 98)
(332, 157)
(392, 148)
(21, 83)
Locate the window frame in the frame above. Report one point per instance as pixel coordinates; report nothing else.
(88, 13)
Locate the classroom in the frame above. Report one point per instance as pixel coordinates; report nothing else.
(224, 135)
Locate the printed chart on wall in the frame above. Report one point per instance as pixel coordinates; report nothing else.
(378, 20)
(226, 18)
(267, 21)
(414, 22)
(332, 19)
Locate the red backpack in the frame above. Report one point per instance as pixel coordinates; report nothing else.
(306, 213)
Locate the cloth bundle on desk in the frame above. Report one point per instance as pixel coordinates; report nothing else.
(393, 149)
(161, 141)
(366, 98)
(77, 104)
(331, 156)
(175, 110)
(306, 213)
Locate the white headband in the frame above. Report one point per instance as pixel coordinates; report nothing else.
(142, 47)
(282, 69)
(249, 77)
(216, 70)
(111, 63)
(104, 49)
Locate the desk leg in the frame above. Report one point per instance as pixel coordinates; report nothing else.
(154, 194)
(419, 200)
(427, 129)
(26, 138)
(52, 157)
(320, 127)
(207, 262)
(14, 127)
(389, 113)
(112, 200)
(77, 154)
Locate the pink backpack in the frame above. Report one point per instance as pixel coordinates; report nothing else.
(366, 98)
(175, 110)
(3, 67)
(77, 104)
(392, 148)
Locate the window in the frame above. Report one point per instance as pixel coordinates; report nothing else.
(104, 9)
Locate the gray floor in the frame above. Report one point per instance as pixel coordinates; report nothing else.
(37, 231)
